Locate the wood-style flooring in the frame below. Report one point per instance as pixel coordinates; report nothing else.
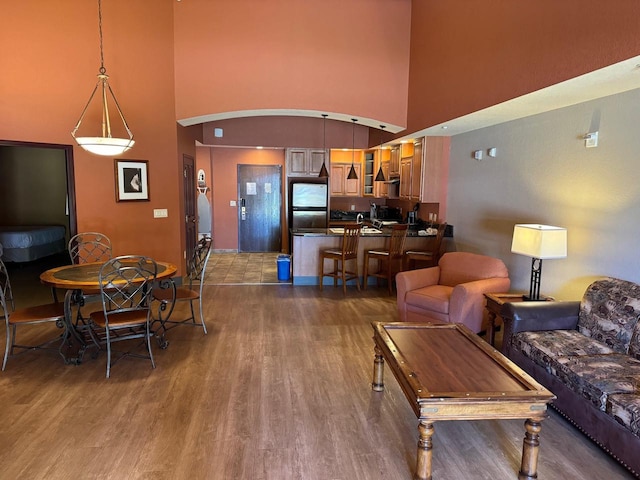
(279, 389)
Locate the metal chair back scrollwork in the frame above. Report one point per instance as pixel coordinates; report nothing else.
(89, 247)
(126, 286)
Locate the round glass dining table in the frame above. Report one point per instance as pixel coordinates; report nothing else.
(80, 281)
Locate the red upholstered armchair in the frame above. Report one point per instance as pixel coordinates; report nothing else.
(452, 292)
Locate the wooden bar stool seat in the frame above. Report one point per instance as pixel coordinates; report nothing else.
(340, 257)
(387, 258)
(428, 257)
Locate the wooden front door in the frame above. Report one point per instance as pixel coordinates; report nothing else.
(259, 208)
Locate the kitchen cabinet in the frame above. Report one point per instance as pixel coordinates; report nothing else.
(369, 174)
(305, 162)
(416, 172)
(435, 169)
(405, 178)
(340, 184)
(394, 161)
(423, 175)
(381, 189)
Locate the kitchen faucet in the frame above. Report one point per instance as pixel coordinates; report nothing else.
(359, 218)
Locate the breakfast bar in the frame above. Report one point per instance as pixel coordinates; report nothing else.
(307, 244)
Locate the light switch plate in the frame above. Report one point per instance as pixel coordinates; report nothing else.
(160, 213)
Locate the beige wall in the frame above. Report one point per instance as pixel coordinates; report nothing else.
(544, 174)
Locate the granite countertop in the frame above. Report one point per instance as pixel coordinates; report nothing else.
(334, 232)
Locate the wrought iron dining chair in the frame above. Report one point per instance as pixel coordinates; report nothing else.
(390, 259)
(340, 257)
(88, 247)
(126, 285)
(47, 313)
(196, 271)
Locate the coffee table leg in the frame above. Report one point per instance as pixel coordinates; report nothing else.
(378, 371)
(425, 447)
(530, 446)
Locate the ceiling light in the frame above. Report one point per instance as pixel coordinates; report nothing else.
(323, 170)
(105, 144)
(380, 174)
(352, 172)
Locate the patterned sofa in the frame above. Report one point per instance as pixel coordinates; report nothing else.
(588, 354)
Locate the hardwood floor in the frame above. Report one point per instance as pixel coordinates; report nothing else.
(279, 389)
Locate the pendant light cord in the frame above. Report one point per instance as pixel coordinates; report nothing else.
(103, 70)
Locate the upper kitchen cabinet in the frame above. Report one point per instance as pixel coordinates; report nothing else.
(369, 174)
(435, 169)
(381, 189)
(409, 173)
(394, 161)
(305, 162)
(341, 186)
(423, 174)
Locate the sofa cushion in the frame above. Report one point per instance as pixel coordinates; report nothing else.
(609, 312)
(625, 408)
(595, 377)
(434, 298)
(543, 347)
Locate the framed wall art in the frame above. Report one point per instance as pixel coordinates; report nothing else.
(132, 180)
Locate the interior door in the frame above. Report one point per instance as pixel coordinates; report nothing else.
(259, 208)
(189, 189)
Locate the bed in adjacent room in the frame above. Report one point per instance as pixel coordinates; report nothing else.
(30, 242)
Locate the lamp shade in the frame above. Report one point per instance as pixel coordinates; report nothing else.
(539, 241)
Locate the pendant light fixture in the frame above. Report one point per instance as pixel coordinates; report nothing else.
(380, 174)
(105, 144)
(323, 170)
(352, 172)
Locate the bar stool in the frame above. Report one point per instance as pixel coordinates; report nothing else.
(349, 251)
(431, 256)
(387, 257)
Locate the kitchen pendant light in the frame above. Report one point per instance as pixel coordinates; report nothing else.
(105, 144)
(380, 174)
(323, 170)
(352, 173)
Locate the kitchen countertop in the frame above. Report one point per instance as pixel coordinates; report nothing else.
(326, 232)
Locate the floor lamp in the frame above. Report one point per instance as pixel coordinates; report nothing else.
(540, 242)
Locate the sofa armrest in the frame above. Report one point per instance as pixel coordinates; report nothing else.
(412, 280)
(536, 316)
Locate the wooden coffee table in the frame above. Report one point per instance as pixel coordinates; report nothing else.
(449, 373)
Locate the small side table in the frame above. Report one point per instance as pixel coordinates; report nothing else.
(495, 304)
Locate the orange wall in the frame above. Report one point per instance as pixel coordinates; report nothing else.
(50, 58)
(225, 163)
(466, 56)
(330, 55)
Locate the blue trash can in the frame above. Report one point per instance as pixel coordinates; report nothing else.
(284, 268)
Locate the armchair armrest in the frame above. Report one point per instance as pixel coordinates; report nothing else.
(412, 280)
(536, 316)
(467, 300)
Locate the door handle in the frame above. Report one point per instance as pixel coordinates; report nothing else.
(243, 210)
